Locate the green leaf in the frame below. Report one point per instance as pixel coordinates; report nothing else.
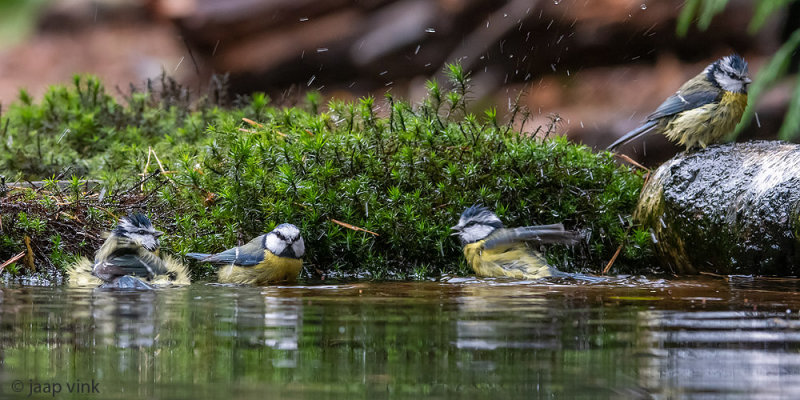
(791, 124)
(769, 74)
(708, 9)
(685, 19)
(763, 11)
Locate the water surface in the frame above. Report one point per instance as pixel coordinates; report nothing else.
(467, 338)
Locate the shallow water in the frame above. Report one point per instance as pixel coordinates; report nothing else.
(466, 338)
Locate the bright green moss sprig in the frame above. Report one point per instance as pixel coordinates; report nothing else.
(399, 173)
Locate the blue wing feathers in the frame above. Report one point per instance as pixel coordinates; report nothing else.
(243, 256)
(542, 234)
(680, 102)
(687, 98)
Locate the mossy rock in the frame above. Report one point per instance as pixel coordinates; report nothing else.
(727, 209)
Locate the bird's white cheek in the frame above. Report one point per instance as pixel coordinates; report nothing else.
(147, 241)
(275, 245)
(729, 84)
(299, 248)
(476, 233)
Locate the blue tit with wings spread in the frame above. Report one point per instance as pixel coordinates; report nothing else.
(493, 250)
(704, 110)
(129, 258)
(273, 257)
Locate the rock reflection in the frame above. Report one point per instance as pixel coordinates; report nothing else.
(743, 354)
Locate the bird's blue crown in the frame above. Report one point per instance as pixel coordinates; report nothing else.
(136, 220)
(479, 212)
(737, 62)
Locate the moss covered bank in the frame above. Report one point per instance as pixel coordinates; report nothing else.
(214, 176)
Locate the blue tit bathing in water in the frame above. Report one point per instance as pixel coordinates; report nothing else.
(273, 257)
(129, 258)
(704, 110)
(495, 251)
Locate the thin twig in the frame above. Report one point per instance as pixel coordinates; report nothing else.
(141, 182)
(353, 227)
(161, 166)
(144, 172)
(251, 122)
(12, 259)
(631, 161)
(616, 253)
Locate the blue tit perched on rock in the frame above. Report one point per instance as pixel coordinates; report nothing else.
(129, 258)
(273, 257)
(495, 251)
(704, 110)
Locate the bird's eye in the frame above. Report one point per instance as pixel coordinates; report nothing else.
(471, 223)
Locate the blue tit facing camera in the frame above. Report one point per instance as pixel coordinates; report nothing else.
(130, 251)
(495, 251)
(273, 257)
(704, 110)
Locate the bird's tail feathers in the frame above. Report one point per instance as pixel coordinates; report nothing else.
(638, 132)
(198, 256)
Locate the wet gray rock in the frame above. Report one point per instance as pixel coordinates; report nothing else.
(727, 209)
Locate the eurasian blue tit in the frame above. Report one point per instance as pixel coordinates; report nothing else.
(273, 257)
(131, 250)
(704, 110)
(495, 251)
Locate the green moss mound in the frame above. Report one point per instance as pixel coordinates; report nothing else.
(215, 177)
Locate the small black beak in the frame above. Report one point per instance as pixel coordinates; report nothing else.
(157, 233)
(747, 80)
(457, 230)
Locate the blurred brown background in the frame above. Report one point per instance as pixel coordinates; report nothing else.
(600, 65)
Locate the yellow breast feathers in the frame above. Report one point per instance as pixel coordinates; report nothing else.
(515, 261)
(709, 123)
(272, 269)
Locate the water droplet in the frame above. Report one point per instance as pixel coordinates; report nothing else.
(416, 51)
(322, 49)
(430, 30)
(643, 6)
(556, 2)
(311, 80)
(303, 19)
(653, 236)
